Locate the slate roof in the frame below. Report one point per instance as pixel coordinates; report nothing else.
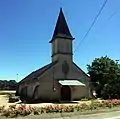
(81, 70)
(35, 74)
(61, 29)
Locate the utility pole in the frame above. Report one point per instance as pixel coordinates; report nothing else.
(17, 77)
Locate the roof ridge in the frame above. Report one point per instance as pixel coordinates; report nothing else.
(40, 71)
(81, 69)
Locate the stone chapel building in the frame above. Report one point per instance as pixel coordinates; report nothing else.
(62, 79)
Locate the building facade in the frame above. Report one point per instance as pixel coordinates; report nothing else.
(62, 79)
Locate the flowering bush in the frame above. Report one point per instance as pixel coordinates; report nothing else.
(59, 108)
(1, 108)
(111, 103)
(23, 110)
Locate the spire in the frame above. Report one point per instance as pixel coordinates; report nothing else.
(61, 29)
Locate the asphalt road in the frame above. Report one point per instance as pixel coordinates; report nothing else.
(107, 115)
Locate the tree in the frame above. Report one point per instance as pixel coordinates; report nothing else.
(102, 71)
(111, 90)
(8, 85)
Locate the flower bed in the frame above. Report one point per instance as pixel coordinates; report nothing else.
(23, 110)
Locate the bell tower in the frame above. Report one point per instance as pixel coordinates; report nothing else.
(61, 40)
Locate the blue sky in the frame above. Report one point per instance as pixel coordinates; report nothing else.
(26, 27)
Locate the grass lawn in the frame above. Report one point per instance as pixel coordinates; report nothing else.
(4, 96)
(7, 92)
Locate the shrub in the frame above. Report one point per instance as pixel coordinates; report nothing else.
(1, 108)
(13, 99)
(84, 99)
(23, 110)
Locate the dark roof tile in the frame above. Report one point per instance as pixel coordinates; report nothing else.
(61, 27)
(37, 73)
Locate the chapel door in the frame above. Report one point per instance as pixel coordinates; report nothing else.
(65, 93)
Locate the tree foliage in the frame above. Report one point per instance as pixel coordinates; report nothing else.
(111, 90)
(8, 85)
(104, 73)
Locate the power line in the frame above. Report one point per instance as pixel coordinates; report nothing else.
(106, 24)
(111, 16)
(88, 31)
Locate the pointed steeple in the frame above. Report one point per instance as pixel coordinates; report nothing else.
(61, 29)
